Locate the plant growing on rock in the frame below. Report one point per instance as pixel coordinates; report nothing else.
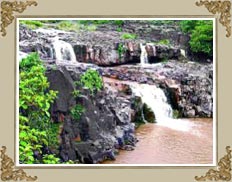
(129, 36)
(149, 115)
(92, 80)
(164, 42)
(121, 50)
(77, 111)
(33, 24)
(34, 103)
(176, 114)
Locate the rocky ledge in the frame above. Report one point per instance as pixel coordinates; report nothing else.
(187, 85)
(98, 47)
(106, 126)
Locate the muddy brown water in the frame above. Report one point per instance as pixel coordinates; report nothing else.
(185, 141)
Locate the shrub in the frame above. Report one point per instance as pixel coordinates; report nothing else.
(75, 26)
(201, 35)
(92, 80)
(34, 104)
(77, 111)
(121, 50)
(68, 26)
(50, 159)
(33, 24)
(176, 114)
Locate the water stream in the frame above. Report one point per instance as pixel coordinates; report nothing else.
(63, 51)
(143, 55)
(163, 145)
(169, 141)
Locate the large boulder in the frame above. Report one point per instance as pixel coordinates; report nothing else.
(104, 126)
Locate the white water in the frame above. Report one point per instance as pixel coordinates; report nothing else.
(182, 52)
(155, 98)
(143, 56)
(63, 51)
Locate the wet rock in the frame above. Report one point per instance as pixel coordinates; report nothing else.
(100, 48)
(104, 126)
(191, 113)
(149, 115)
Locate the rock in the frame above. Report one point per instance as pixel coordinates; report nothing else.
(100, 48)
(105, 127)
(191, 113)
(61, 81)
(185, 84)
(22, 55)
(149, 115)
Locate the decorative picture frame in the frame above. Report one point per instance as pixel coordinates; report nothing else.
(220, 9)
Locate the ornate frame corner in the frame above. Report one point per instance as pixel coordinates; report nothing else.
(7, 12)
(223, 171)
(221, 7)
(7, 169)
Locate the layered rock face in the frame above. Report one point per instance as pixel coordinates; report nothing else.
(100, 48)
(188, 86)
(103, 128)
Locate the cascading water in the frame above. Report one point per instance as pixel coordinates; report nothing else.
(155, 98)
(143, 56)
(63, 51)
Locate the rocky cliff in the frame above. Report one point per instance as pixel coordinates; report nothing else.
(105, 126)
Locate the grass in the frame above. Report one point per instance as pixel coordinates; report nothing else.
(128, 36)
(33, 24)
(75, 26)
(164, 42)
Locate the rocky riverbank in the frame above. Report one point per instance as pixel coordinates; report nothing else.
(105, 126)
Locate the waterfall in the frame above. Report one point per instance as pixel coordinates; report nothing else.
(63, 51)
(155, 98)
(182, 52)
(143, 56)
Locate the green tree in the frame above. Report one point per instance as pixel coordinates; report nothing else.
(35, 99)
(201, 35)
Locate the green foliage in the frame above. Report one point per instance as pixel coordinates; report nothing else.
(149, 115)
(68, 26)
(128, 36)
(118, 22)
(77, 111)
(76, 93)
(30, 140)
(50, 159)
(176, 114)
(34, 99)
(34, 104)
(162, 22)
(121, 50)
(75, 26)
(33, 24)
(119, 29)
(98, 22)
(164, 42)
(92, 80)
(201, 33)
